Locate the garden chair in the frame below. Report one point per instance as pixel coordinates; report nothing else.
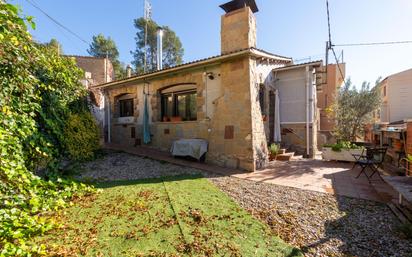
(373, 159)
(357, 157)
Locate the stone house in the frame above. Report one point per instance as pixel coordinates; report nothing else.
(227, 100)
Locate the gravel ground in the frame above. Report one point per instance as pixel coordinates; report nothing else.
(319, 224)
(122, 166)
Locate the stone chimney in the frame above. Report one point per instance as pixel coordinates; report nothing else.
(238, 28)
(128, 71)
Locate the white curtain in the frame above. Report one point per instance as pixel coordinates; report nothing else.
(277, 135)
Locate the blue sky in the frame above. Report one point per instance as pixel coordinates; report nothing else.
(295, 28)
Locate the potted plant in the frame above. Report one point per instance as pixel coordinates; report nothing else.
(341, 151)
(274, 150)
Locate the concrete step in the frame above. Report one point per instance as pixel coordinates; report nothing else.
(401, 213)
(297, 157)
(282, 151)
(285, 157)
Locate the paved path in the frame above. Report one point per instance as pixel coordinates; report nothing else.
(315, 175)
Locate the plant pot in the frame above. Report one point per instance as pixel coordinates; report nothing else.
(343, 155)
(272, 157)
(176, 119)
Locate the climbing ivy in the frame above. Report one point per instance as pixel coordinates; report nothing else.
(37, 92)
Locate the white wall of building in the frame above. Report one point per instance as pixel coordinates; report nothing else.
(399, 90)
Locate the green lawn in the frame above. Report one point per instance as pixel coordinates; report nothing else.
(180, 216)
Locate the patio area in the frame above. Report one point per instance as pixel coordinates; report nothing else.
(330, 177)
(324, 176)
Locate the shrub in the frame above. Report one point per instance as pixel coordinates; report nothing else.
(37, 88)
(342, 145)
(81, 136)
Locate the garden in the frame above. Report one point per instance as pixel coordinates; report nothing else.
(45, 123)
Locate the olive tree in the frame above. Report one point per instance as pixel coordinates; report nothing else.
(354, 108)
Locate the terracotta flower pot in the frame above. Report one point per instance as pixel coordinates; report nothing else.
(176, 119)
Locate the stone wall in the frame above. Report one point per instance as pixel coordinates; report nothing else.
(231, 139)
(223, 114)
(121, 128)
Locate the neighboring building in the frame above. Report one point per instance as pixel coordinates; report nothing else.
(393, 123)
(228, 100)
(296, 85)
(97, 70)
(326, 99)
(396, 92)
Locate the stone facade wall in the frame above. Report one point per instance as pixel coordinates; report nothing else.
(223, 113)
(121, 128)
(231, 139)
(238, 30)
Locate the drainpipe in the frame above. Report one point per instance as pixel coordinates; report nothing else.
(109, 129)
(308, 82)
(104, 115)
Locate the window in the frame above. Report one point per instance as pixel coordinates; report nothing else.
(126, 107)
(384, 91)
(262, 98)
(179, 104)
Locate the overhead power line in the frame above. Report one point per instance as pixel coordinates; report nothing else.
(32, 3)
(375, 43)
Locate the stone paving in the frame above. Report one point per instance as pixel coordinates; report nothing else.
(323, 176)
(314, 175)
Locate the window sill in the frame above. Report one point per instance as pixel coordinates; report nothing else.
(175, 122)
(124, 120)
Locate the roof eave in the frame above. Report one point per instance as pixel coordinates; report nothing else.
(252, 52)
(299, 66)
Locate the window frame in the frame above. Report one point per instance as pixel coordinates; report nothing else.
(175, 103)
(123, 104)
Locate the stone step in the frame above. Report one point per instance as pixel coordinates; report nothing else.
(285, 157)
